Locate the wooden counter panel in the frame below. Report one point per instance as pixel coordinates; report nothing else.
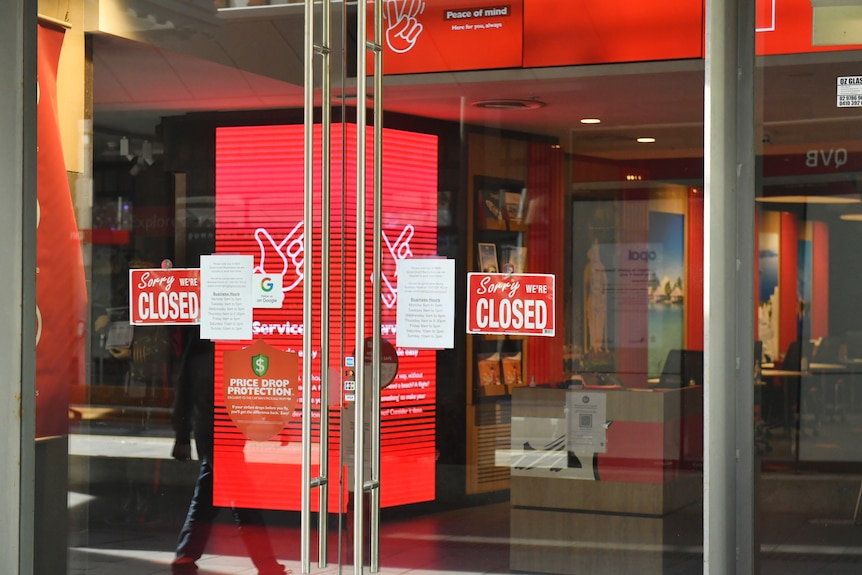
(620, 512)
(573, 543)
(607, 496)
(546, 542)
(489, 428)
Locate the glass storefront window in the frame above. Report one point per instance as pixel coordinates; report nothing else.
(572, 240)
(541, 222)
(807, 195)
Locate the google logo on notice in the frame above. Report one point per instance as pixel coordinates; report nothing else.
(266, 284)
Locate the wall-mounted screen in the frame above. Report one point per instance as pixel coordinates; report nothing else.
(259, 212)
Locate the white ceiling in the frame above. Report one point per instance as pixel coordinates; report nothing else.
(254, 63)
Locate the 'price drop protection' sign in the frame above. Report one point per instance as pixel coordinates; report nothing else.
(513, 304)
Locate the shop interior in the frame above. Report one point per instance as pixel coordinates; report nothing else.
(155, 103)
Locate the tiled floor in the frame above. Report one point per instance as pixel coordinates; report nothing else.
(125, 532)
(417, 548)
(469, 541)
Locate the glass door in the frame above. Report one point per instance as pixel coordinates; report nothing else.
(444, 260)
(249, 404)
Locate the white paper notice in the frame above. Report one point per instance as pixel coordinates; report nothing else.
(587, 414)
(425, 316)
(849, 91)
(226, 308)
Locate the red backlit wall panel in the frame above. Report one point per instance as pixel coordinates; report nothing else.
(570, 32)
(545, 360)
(61, 292)
(788, 273)
(259, 211)
(820, 280)
(694, 238)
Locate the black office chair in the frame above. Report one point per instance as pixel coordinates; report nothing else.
(833, 385)
(803, 391)
(763, 404)
(853, 345)
(682, 367)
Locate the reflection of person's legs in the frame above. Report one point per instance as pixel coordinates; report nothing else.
(198, 524)
(252, 528)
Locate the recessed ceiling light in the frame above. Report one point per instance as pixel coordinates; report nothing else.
(805, 199)
(509, 104)
(646, 140)
(590, 121)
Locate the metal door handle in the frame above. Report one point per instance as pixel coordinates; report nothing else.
(360, 484)
(377, 103)
(326, 136)
(308, 184)
(321, 481)
(359, 418)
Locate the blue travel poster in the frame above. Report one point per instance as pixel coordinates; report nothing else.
(667, 288)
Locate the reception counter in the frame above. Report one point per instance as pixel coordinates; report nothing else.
(604, 481)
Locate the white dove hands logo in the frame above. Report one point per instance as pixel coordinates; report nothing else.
(403, 28)
(400, 250)
(273, 255)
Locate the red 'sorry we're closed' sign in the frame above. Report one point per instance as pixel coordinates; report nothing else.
(513, 304)
(164, 296)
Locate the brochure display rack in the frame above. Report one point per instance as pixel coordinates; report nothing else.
(499, 233)
(497, 216)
